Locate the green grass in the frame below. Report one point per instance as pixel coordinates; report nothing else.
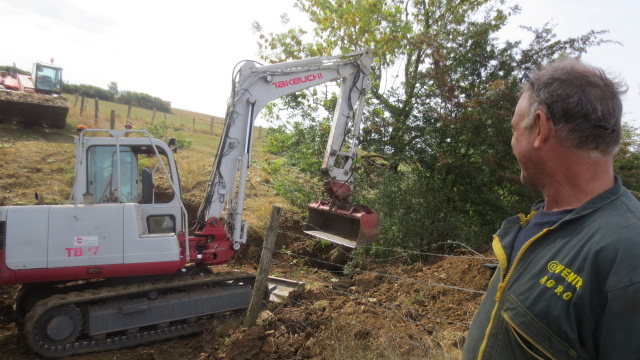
(42, 160)
(141, 118)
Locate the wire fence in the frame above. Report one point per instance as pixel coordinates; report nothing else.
(419, 313)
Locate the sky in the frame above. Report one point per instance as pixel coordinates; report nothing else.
(185, 51)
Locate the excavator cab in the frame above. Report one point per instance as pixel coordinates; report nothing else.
(47, 78)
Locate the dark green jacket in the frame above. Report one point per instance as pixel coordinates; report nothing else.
(573, 291)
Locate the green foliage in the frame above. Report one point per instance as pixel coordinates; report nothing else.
(290, 183)
(302, 138)
(182, 142)
(113, 94)
(438, 117)
(302, 158)
(113, 88)
(10, 69)
(89, 91)
(142, 100)
(160, 130)
(303, 146)
(627, 159)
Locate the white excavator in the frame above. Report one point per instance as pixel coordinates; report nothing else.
(117, 267)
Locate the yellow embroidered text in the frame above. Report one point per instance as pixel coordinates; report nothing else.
(573, 278)
(557, 289)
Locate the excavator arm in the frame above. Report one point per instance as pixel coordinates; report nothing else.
(253, 87)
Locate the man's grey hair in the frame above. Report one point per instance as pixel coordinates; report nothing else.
(582, 102)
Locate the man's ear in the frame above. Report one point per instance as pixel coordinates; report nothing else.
(545, 128)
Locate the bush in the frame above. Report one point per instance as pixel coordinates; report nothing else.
(160, 130)
(132, 98)
(89, 91)
(290, 183)
(142, 100)
(9, 69)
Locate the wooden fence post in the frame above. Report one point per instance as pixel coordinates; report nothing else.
(75, 100)
(153, 117)
(211, 126)
(95, 121)
(112, 125)
(82, 104)
(260, 285)
(194, 123)
(128, 112)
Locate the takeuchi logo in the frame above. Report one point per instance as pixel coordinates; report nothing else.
(297, 80)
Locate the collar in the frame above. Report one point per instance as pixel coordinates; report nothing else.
(596, 202)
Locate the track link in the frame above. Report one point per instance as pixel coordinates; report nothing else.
(54, 344)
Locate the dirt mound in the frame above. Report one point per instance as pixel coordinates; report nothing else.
(420, 311)
(33, 109)
(33, 98)
(400, 312)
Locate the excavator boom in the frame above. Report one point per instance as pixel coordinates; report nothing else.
(253, 88)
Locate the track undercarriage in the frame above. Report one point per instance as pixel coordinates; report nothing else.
(108, 317)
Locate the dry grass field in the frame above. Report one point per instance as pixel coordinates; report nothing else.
(384, 310)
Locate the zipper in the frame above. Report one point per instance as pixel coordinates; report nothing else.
(502, 260)
(524, 247)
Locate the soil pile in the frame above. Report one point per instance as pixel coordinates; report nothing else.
(400, 312)
(420, 311)
(33, 109)
(33, 98)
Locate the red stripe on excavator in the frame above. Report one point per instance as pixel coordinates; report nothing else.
(9, 276)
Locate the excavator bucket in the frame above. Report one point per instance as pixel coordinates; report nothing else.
(355, 227)
(32, 109)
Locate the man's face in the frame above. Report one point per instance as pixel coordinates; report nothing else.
(522, 141)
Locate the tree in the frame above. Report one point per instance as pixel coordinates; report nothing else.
(113, 88)
(627, 159)
(438, 122)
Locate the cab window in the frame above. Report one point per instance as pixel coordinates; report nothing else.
(142, 176)
(107, 181)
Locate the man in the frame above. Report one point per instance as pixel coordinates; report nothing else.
(568, 281)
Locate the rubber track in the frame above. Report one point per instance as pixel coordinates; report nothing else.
(121, 341)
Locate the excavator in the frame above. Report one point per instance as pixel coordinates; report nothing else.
(118, 266)
(36, 99)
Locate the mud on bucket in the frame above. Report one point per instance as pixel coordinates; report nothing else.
(353, 227)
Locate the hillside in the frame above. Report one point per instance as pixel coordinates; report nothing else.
(382, 310)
